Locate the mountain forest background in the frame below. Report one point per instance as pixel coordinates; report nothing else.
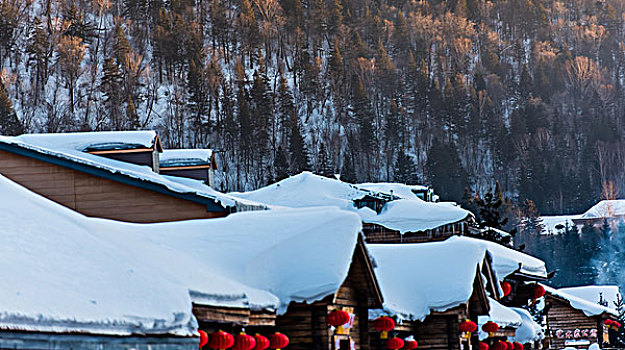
(458, 94)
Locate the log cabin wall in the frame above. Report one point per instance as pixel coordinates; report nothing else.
(379, 234)
(140, 158)
(439, 331)
(96, 196)
(561, 316)
(198, 173)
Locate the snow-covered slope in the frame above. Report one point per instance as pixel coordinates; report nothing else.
(310, 190)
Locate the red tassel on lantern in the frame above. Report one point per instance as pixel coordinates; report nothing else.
(203, 338)
(410, 344)
(483, 346)
(518, 346)
(338, 318)
(262, 342)
(491, 327)
(221, 340)
(278, 341)
(506, 287)
(394, 343)
(384, 324)
(244, 342)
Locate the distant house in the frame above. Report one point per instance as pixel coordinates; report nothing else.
(112, 175)
(573, 321)
(196, 164)
(388, 217)
(610, 211)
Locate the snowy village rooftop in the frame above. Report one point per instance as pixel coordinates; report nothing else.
(179, 261)
(185, 157)
(403, 215)
(452, 267)
(589, 308)
(69, 149)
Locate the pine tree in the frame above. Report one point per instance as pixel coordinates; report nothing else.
(262, 114)
(445, 171)
(405, 169)
(9, 123)
(281, 164)
(297, 148)
(112, 90)
(324, 165)
(348, 173)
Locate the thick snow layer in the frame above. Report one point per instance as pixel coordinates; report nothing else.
(61, 274)
(309, 190)
(592, 293)
(65, 272)
(500, 314)
(549, 223)
(416, 279)
(185, 157)
(416, 215)
(529, 331)
(93, 140)
(397, 189)
(72, 149)
(606, 209)
(587, 307)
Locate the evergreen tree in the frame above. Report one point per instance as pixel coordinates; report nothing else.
(9, 123)
(281, 164)
(445, 171)
(298, 151)
(348, 173)
(324, 165)
(405, 170)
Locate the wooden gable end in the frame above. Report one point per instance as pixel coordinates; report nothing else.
(562, 318)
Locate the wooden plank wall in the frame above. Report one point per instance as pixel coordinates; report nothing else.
(561, 315)
(96, 196)
(379, 234)
(440, 331)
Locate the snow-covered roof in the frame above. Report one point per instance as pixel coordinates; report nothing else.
(416, 279)
(502, 315)
(397, 189)
(65, 272)
(70, 148)
(592, 294)
(606, 209)
(587, 307)
(549, 223)
(310, 190)
(100, 140)
(185, 157)
(529, 331)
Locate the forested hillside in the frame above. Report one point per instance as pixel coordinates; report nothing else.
(453, 93)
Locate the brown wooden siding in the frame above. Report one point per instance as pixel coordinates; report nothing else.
(379, 234)
(560, 315)
(139, 158)
(198, 174)
(98, 197)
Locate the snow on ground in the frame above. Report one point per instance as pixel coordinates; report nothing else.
(310, 190)
(65, 272)
(501, 315)
(592, 294)
(449, 267)
(185, 157)
(70, 146)
(550, 222)
(605, 209)
(587, 307)
(529, 330)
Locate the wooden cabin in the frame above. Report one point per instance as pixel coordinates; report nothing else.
(569, 323)
(80, 179)
(307, 326)
(376, 233)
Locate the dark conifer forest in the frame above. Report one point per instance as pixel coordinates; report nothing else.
(458, 94)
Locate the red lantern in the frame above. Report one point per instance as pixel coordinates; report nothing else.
(384, 324)
(491, 327)
(510, 345)
(262, 342)
(483, 346)
(507, 288)
(467, 327)
(203, 338)
(410, 344)
(395, 343)
(338, 318)
(221, 340)
(608, 322)
(278, 341)
(500, 346)
(244, 342)
(518, 346)
(617, 325)
(539, 291)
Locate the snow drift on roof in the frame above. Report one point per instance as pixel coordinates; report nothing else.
(592, 293)
(587, 307)
(529, 331)
(185, 157)
(71, 148)
(416, 279)
(310, 190)
(93, 140)
(606, 209)
(502, 315)
(549, 223)
(397, 189)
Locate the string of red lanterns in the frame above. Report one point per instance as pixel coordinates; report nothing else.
(221, 340)
(244, 342)
(500, 346)
(384, 324)
(394, 343)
